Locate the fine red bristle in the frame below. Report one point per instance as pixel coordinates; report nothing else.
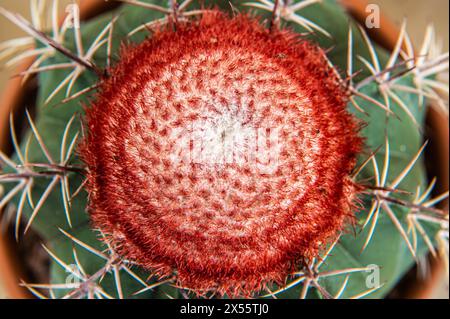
(224, 224)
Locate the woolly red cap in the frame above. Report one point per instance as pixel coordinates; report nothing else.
(220, 152)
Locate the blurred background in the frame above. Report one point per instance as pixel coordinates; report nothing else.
(419, 14)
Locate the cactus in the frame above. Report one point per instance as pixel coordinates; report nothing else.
(372, 212)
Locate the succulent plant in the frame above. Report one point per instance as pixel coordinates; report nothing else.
(223, 149)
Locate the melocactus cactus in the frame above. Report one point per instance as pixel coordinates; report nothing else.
(225, 151)
(221, 151)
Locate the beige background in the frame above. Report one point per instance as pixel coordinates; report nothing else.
(418, 12)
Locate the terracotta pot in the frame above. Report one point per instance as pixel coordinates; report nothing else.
(14, 99)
